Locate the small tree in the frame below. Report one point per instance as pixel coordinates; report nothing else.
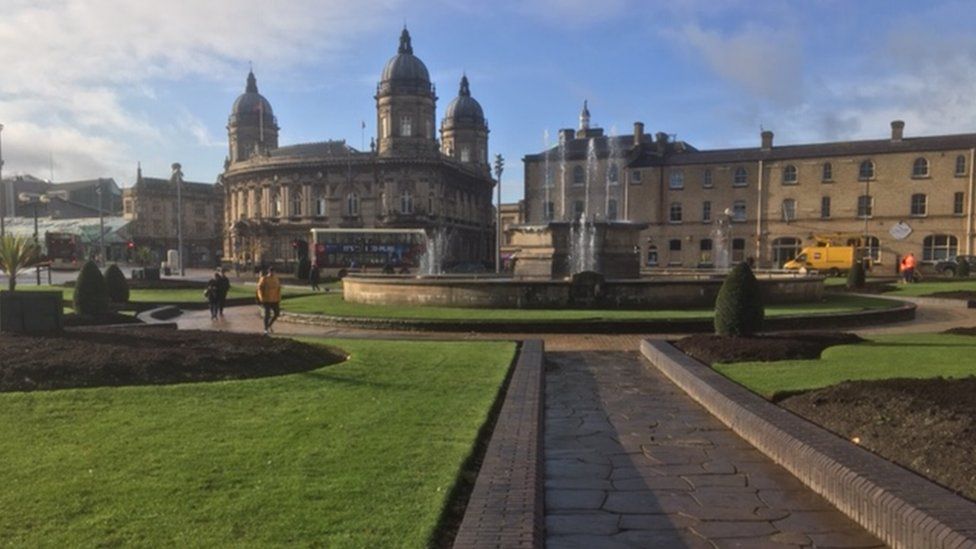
(91, 291)
(855, 277)
(962, 270)
(118, 286)
(16, 254)
(739, 309)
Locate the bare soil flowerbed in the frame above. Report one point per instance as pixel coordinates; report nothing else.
(927, 425)
(709, 348)
(93, 357)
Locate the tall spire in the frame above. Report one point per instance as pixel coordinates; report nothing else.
(139, 172)
(584, 118)
(465, 91)
(252, 83)
(405, 46)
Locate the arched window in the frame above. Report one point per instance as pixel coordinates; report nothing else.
(320, 206)
(296, 202)
(920, 168)
(789, 209)
(785, 249)
(611, 209)
(740, 177)
(674, 215)
(406, 126)
(406, 203)
(789, 174)
(613, 174)
(828, 172)
(352, 204)
(919, 205)
(938, 247)
(866, 171)
(960, 165)
(578, 175)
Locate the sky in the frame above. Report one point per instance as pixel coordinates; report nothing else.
(89, 88)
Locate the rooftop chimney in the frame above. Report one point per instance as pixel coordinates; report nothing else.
(638, 133)
(662, 142)
(897, 130)
(767, 140)
(566, 135)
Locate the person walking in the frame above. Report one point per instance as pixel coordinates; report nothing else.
(212, 293)
(313, 277)
(269, 296)
(223, 289)
(908, 264)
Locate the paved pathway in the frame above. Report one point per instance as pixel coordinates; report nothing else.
(631, 461)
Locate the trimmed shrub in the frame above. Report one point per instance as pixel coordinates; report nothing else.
(855, 277)
(962, 270)
(118, 286)
(91, 291)
(739, 309)
(302, 268)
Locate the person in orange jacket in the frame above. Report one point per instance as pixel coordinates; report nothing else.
(907, 268)
(269, 296)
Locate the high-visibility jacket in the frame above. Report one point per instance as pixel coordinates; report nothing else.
(269, 289)
(908, 262)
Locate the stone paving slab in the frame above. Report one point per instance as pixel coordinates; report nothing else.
(631, 461)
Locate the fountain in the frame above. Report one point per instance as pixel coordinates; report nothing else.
(438, 245)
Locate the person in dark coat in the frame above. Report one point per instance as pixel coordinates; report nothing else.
(212, 293)
(313, 277)
(224, 289)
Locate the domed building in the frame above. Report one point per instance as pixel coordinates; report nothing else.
(408, 179)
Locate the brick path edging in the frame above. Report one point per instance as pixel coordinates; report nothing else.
(901, 508)
(506, 506)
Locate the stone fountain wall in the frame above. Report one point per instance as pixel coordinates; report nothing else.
(548, 251)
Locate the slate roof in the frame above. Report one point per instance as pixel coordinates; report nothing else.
(316, 150)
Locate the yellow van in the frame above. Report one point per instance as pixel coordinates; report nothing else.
(831, 260)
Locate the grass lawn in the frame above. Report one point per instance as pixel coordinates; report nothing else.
(358, 454)
(928, 287)
(882, 357)
(332, 304)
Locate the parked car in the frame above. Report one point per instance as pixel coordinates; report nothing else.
(949, 266)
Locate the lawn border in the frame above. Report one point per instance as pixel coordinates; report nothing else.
(507, 503)
(898, 506)
(902, 312)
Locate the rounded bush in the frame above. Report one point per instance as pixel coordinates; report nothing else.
(855, 277)
(118, 286)
(739, 309)
(962, 271)
(91, 291)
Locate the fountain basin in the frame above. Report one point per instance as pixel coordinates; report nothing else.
(580, 292)
(559, 248)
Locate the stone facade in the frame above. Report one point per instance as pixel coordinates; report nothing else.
(276, 194)
(779, 199)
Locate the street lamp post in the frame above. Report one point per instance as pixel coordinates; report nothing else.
(177, 178)
(101, 224)
(499, 168)
(34, 200)
(3, 191)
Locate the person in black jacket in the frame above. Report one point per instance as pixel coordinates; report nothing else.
(223, 288)
(313, 277)
(212, 293)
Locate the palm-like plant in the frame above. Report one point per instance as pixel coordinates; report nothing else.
(16, 254)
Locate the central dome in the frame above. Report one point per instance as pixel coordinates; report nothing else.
(405, 67)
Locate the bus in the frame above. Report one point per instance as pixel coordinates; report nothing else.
(336, 250)
(64, 250)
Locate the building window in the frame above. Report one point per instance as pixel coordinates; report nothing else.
(578, 209)
(676, 180)
(865, 206)
(674, 249)
(635, 177)
(465, 153)
(611, 209)
(939, 247)
(920, 168)
(738, 250)
(828, 172)
(866, 171)
(706, 211)
(789, 175)
(578, 175)
(549, 211)
(320, 206)
(960, 165)
(872, 249)
(707, 179)
(352, 204)
(406, 203)
(918, 205)
(652, 256)
(785, 249)
(789, 210)
(824, 207)
(740, 177)
(296, 202)
(958, 203)
(674, 215)
(705, 249)
(739, 210)
(200, 210)
(613, 174)
(406, 126)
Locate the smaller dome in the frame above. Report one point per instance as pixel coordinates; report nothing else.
(251, 102)
(464, 108)
(405, 67)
